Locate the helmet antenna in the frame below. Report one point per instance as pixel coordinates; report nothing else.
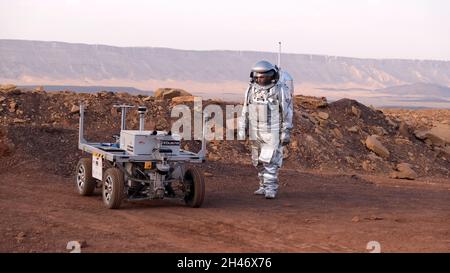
(279, 55)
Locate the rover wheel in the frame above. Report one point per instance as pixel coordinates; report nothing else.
(113, 188)
(84, 180)
(195, 187)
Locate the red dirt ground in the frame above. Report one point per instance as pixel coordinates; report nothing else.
(41, 212)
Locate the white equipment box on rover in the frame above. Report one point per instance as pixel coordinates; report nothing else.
(144, 142)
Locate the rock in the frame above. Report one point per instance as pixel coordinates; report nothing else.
(404, 171)
(310, 102)
(373, 144)
(445, 149)
(374, 109)
(183, 99)
(12, 106)
(298, 113)
(374, 157)
(323, 123)
(310, 140)
(356, 219)
(392, 123)
(12, 91)
(2, 99)
(403, 129)
(323, 103)
(404, 167)
(39, 89)
(374, 218)
(438, 135)
(442, 132)
(75, 109)
(338, 133)
(104, 93)
(350, 160)
(402, 141)
(367, 166)
(313, 119)
(213, 145)
(429, 143)
(356, 112)
(379, 131)
(7, 87)
(207, 174)
(149, 98)
(18, 120)
(353, 129)
(213, 157)
(323, 115)
(20, 236)
(162, 124)
(169, 93)
(421, 134)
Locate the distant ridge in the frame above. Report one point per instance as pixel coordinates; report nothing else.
(222, 73)
(21, 60)
(88, 89)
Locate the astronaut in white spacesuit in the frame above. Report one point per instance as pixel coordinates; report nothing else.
(267, 114)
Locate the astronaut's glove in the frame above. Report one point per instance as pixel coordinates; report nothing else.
(285, 138)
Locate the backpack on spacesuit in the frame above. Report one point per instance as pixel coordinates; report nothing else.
(287, 80)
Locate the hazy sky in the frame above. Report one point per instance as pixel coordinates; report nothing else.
(417, 29)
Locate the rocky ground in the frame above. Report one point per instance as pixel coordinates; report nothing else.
(343, 136)
(338, 187)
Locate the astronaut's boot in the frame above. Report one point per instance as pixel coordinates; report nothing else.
(271, 180)
(270, 194)
(261, 190)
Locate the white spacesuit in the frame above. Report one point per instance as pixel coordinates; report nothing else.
(267, 113)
